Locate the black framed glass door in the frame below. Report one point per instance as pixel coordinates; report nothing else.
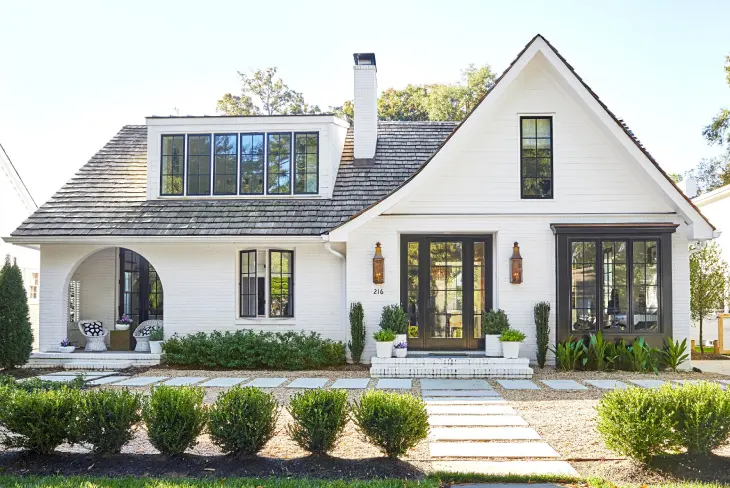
(446, 284)
(140, 288)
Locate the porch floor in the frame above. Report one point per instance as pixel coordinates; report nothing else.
(450, 365)
(93, 360)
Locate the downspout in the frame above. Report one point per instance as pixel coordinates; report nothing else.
(343, 295)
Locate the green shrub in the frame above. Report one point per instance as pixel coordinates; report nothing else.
(636, 422)
(570, 353)
(319, 418)
(243, 419)
(16, 335)
(357, 331)
(175, 417)
(394, 318)
(674, 354)
(512, 335)
(601, 353)
(35, 384)
(106, 419)
(384, 335)
(394, 422)
(701, 416)
(38, 420)
(157, 335)
(640, 356)
(541, 312)
(494, 322)
(246, 349)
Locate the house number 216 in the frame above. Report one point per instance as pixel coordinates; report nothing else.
(377, 291)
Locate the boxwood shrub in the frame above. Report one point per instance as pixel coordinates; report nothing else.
(106, 419)
(175, 417)
(246, 349)
(243, 419)
(319, 418)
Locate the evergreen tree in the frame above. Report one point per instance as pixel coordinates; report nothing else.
(16, 336)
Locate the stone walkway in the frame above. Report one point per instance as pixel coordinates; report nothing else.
(469, 420)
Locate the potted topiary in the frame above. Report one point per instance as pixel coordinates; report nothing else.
(494, 322)
(156, 338)
(66, 346)
(123, 323)
(384, 343)
(400, 349)
(394, 318)
(511, 340)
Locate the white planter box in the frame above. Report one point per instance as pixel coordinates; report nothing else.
(66, 348)
(156, 347)
(121, 326)
(384, 349)
(511, 350)
(400, 353)
(492, 345)
(400, 338)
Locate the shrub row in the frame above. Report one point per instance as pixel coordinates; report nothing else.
(241, 421)
(597, 353)
(246, 349)
(643, 423)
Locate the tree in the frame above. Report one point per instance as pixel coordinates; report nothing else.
(718, 131)
(710, 174)
(345, 111)
(676, 177)
(262, 93)
(16, 335)
(707, 282)
(406, 104)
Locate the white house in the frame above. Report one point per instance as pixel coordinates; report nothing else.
(16, 204)
(271, 223)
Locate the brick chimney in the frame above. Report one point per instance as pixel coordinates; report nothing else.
(366, 107)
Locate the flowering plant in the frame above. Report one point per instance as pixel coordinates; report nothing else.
(66, 343)
(124, 319)
(401, 345)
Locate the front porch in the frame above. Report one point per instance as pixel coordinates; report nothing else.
(108, 360)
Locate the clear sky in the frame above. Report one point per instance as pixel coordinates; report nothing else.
(73, 73)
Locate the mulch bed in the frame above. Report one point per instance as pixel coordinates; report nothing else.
(190, 465)
(708, 355)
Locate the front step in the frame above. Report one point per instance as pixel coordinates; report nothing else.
(110, 360)
(450, 367)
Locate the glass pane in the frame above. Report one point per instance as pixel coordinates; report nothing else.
(614, 315)
(646, 295)
(583, 286)
(528, 128)
(543, 127)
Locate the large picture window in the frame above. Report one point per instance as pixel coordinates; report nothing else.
(536, 153)
(306, 162)
(255, 268)
(281, 281)
(279, 163)
(224, 173)
(252, 164)
(199, 164)
(173, 152)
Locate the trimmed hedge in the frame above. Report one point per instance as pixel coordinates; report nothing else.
(106, 419)
(246, 349)
(243, 419)
(319, 419)
(175, 417)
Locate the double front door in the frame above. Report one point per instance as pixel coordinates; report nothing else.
(140, 288)
(446, 285)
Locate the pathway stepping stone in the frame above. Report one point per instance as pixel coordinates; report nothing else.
(682, 382)
(724, 382)
(564, 385)
(475, 420)
(493, 449)
(308, 383)
(184, 381)
(560, 468)
(351, 383)
(58, 379)
(266, 382)
(445, 384)
(85, 374)
(463, 400)
(518, 385)
(107, 380)
(142, 381)
(607, 384)
(460, 393)
(470, 410)
(222, 382)
(484, 434)
(393, 384)
(648, 383)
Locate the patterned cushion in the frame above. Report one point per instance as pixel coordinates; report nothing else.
(147, 330)
(92, 328)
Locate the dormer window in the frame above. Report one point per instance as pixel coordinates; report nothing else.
(536, 152)
(224, 174)
(173, 150)
(306, 164)
(199, 164)
(252, 164)
(279, 164)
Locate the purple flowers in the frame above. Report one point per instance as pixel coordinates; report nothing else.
(401, 345)
(124, 319)
(65, 343)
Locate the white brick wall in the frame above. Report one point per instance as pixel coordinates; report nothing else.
(366, 110)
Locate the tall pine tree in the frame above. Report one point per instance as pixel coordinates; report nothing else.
(16, 336)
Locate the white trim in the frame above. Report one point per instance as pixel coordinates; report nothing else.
(179, 121)
(712, 196)
(122, 240)
(7, 167)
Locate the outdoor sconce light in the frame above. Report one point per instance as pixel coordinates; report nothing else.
(378, 266)
(515, 263)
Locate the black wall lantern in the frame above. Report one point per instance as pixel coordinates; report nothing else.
(515, 264)
(378, 266)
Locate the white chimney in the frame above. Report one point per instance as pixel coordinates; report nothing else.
(366, 106)
(688, 186)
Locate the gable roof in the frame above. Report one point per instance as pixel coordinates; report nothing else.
(544, 45)
(7, 167)
(107, 197)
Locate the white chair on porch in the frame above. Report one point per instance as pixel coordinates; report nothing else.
(95, 335)
(142, 334)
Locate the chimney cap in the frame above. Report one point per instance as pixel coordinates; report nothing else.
(364, 58)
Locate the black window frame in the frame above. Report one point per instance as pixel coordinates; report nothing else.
(536, 158)
(241, 135)
(291, 162)
(306, 174)
(290, 294)
(566, 234)
(241, 274)
(187, 166)
(162, 164)
(215, 174)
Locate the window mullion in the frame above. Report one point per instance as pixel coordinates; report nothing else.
(630, 286)
(599, 284)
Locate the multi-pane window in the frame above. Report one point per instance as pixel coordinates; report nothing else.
(536, 148)
(413, 290)
(224, 164)
(480, 286)
(306, 163)
(74, 301)
(252, 164)
(628, 268)
(279, 164)
(172, 165)
(281, 281)
(249, 305)
(33, 289)
(199, 164)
